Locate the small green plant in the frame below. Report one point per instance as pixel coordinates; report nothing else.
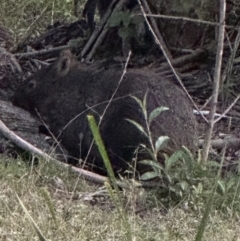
(163, 140)
(127, 24)
(182, 176)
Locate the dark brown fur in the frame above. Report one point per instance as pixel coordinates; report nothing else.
(65, 92)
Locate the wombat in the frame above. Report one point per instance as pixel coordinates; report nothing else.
(66, 91)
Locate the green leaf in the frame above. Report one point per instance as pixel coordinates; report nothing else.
(101, 148)
(150, 152)
(188, 158)
(221, 187)
(213, 164)
(124, 33)
(145, 106)
(156, 112)
(140, 103)
(198, 189)
(149, 175)
(231, 183)
(173, 159)
(184, 185)
(161, 143)
(119, 18)
(139, 127)
(168, 178)
(152, 164)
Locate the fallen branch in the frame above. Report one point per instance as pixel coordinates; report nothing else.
(18, 141)
(216, 80)
(42, 53)
(183, 60)
(231, 142)
(100, 32)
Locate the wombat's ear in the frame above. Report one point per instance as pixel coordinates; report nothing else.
(64, 63)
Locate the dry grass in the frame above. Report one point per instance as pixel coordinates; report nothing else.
(47, 193)
(22, 17)
(62, 205)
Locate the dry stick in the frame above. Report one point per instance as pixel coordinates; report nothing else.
(10, 135)
(216, 81)
(227, 110)
(14, 63)
(105, 30)
(169, 61)
(194, 55)
(96, 32)
(157, 32)
(41, 53)
(231, 142)
(189, 20)
(100, 32)
(18, 141)
(228, 70)
(97, 44)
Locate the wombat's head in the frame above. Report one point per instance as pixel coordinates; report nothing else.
(45, 82)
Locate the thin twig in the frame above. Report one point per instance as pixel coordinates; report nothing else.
(41, 53)
(99, 33)
(96, 44)
(189, 20)
(216, 81)
(228, 70)
(227, 110)
(52, 135)
(156, 30)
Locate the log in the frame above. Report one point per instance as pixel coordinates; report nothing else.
(27, 127)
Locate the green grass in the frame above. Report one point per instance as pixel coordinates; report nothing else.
(62, 211)
(18, 16)
(63, 206)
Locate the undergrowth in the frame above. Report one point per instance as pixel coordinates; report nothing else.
(63, 210)
(20, 17)
(185, 181)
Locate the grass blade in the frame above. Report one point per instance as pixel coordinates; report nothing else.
(39, 233)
